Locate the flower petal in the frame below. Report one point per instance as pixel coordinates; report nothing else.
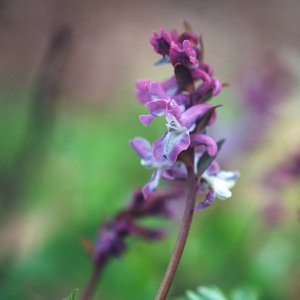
(176, 172)
(157, 92)
(209, 199)
(181, 99)
(142, 147)
(190, 116)
(152, 183)
(198, 139)
(213, 169)
(190, 52)
(217, 86)
(186, 55)
(221, 187)
(158, 148)
(170, 86)
(200, 74)
(175, 143)
(173, 112)
(206, 68)
(142, 93)
(157, 108)
(146, 119)
(229, 175)
(161, 42)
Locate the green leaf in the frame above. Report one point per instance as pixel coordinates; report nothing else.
(73, 295)
(193, 296)
(214, 293)
(211, 293)
(243, 294)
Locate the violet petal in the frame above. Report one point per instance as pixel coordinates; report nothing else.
(142, 147)
(209, 199)
(190, 116)
(152, 183)
(198, 139)
(175, 143)
(146, 119)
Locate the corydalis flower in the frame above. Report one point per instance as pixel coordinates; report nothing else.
(178, 137)
(216, 184)
(184, 55)
(161, 42)
(111, 240)
(156, 99)
(184, 48)
(143, 148)
(221, 183)
(181, 101)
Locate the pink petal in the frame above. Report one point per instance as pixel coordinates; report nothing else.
(198, 139)
(142, 147)
(157, 108)
(146, 119)
(190, 116)
(175, 144)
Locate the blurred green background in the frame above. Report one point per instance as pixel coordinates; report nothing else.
(66, 166)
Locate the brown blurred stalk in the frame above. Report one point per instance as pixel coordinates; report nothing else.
(41, 117)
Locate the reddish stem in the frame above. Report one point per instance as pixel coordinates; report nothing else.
(92, 284)
(182, 236)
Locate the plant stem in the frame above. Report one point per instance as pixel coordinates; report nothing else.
(182, 236)
(92, 284)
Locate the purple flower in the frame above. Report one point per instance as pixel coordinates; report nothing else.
(149, 90)
(178, 137)
(215, 183)
(181, 100)
(143, 148)
(184, 55)
(161, 42)
(110, 241)
(210, 87)
(177, 172)
(152, 94)
(191, 37)
(155, 98)
(209, 199)
(170, 86)
(143, 94)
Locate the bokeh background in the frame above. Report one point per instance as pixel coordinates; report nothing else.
(67, 72)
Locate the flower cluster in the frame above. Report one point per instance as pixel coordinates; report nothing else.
(182, 101)
(113, 233)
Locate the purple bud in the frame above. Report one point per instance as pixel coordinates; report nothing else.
(161, 42)
(183, 55)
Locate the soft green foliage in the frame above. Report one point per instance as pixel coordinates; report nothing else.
(244, 294)
(214, 293)
(73, 295)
